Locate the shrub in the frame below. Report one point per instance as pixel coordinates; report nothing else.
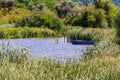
(90, 17)
(66, 8)
(36, 4)
(109, 8)
(12, 16)
(40, 19)
(101, 14)
(117, 20)
(7, 4)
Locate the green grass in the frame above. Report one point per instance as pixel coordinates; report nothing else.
(91, 34)
(94, 69)
(101, 62)
(19, 67)
(26, 32)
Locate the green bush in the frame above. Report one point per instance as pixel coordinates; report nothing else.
(100, 14)
(90, 17)
(40, 19)
(36, 4)
(7, 4)
(67, 8)
(117, 20)
(109, 8)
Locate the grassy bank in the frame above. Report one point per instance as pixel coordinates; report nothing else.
(91, 34)
(26, 32)
(19, 67)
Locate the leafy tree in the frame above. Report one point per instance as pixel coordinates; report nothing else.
(66, 8)
(109, 8)
(7, 4)
(40, 19)
(91, 17)
(117, 20)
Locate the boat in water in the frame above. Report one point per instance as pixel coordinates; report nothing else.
(81, 42)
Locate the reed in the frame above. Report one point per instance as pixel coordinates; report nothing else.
(26, 32)
(91, 34)
(101, 62)
(22, 68)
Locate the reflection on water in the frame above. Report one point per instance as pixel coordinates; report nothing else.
(55, 48)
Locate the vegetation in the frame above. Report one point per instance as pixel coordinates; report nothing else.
(26, 32)
(19, 66)
(13, 16)
(67, 8)
(34, 4)
(40, 19)
(91, 18)
(101, 14)
(7, 4)
(47, 18)
(91, 34)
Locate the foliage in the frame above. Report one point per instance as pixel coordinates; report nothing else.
(101, 14)
(13, 16)
(13, 54)
(35, 4)
(26, 32)
(7, 4)
(90, 17)
(109, 8)
(67, 8)
(40, 19)
(91, 34)
(98, 68)
(117, 20)
(103, 48)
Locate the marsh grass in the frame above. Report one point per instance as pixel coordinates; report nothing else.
(103, 48)
(102, 62)
(22, 68)
(91, 34)
(26, 32)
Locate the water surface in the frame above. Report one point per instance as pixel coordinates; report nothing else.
(53, 48)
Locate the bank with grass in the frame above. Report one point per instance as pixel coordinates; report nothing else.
(13, 32)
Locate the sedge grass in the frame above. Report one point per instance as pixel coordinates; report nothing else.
(26, 32)
(94, 69)
(23, 68)
(98, 67)
(91, 34)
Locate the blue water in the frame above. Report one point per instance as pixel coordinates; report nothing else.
(53, 48)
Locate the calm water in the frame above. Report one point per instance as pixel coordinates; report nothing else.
(54, 48)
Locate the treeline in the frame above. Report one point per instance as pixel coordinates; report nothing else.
(116, 2)
(102, 13)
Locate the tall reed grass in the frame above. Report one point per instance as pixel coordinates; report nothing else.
(26, 32)
(102, 48)
(102, 62)
(22, 68)
(93, 34)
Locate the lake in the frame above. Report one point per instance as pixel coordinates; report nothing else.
(53, 48)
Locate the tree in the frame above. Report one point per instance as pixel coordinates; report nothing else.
(7, 4)
(66, 8)
(109, 8)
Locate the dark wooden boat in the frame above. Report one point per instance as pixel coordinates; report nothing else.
(82, 42)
